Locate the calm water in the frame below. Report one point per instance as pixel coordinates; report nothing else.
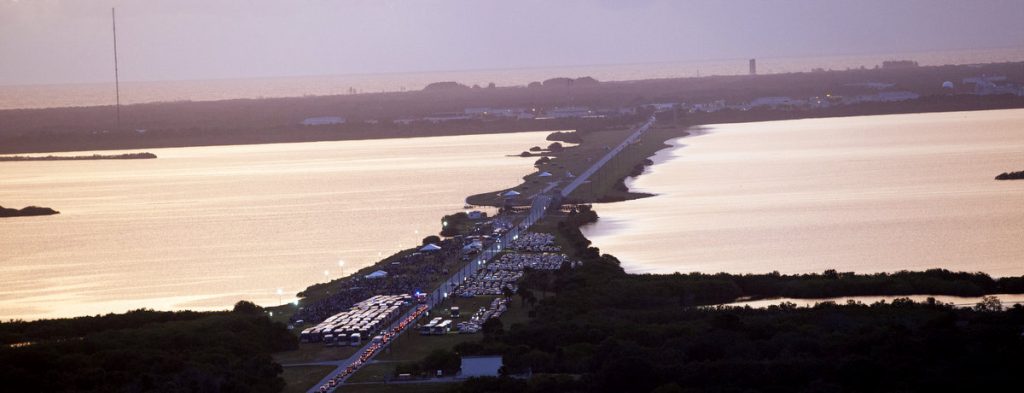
(203, 227)
(40, 96)
(864, 194)
(1008, 300)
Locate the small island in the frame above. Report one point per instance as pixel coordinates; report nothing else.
(126, 156)
(28, 211)
(1011, 176)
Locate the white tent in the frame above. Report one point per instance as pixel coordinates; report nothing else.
(544, 174)
(430, 247)
(510, 193)
(376, 274)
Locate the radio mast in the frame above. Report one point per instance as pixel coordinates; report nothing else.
(117, 82)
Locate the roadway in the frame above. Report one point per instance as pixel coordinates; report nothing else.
(538, 209)
(607, 157)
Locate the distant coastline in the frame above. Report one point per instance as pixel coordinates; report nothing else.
(126, 156)
(1019, 175)
(27, 211)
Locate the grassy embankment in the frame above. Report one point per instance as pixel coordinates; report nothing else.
(607, 184)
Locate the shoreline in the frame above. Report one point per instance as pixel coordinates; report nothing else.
(125, 156)
(457, 111)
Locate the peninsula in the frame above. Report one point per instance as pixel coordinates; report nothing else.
(27, 211)
(1011, 175)
(126, 156)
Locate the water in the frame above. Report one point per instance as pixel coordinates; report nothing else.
(1007, 300)
(863, 194)
(203, 227)
(41, 96)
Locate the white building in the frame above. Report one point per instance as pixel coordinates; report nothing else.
(323, 120)
(774, 102)
(569, 112)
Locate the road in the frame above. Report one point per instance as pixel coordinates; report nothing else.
(607, 157)
(537, 211)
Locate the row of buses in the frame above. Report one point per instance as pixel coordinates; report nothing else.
(359, 322)
(436, 326)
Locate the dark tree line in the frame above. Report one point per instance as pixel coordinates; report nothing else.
(608, 331)
(146, 351)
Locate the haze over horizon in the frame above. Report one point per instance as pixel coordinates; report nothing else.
(56, 42)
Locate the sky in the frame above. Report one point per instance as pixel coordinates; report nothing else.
(69, 41)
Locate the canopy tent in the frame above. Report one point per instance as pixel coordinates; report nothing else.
(376, 275)
(510, 193)
(430, 247)
(544, 174)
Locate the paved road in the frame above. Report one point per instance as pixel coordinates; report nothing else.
(607, 157)
(538, 208)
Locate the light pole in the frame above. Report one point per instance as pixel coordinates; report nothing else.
(341, 264)
(279, 293)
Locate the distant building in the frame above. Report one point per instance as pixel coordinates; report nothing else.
(446, 117)
(480, 366)
(570, 112)
(988, 85)
(886, 96)
(774, 102)
(323, 120)
(872, 85)
(897, 64)
(753, 66)
(713, 106)
(496, 112)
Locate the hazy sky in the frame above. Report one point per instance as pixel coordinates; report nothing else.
(61, 41)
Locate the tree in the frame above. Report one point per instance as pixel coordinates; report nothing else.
(989, 304)
(447, 361)
(492, 327)
(431, 239)
(246, 307)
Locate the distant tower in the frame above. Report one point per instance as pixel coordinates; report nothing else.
(117, 82)
(753, 66)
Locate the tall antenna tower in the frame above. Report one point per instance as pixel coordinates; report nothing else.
(117, 82)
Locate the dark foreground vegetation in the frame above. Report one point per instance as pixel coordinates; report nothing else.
(145, 351)
(27, 211)
(583, 341)
(126, 156)
(608, 331)
(1010, 176)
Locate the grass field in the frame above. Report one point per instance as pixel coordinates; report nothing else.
(313, 352)
(300, 379)
(427, 387)
(576, 159)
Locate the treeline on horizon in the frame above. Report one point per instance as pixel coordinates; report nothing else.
(146, 351)
(604, 330)
(125, 156)
(245, 121)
